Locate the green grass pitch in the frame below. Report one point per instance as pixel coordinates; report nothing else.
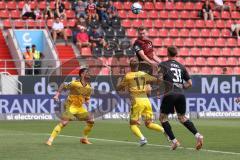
(24, 140)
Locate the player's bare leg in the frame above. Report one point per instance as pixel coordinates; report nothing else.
(190, 126)
(168, 130)
(87, 130)
(56, 131)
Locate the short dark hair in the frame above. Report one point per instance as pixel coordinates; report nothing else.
(33, 46)
(172, 51)
(81, 70)
(141, 28)
(27, 47)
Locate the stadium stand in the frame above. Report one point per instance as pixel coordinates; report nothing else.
(202, 42)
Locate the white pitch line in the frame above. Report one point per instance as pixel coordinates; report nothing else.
(117, 141)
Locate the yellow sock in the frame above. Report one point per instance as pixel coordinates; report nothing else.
(155, 127)
(135, 129)
(56, 131)
(87, 130)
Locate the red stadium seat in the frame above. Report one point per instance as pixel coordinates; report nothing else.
(163, 33)
(31, 23)
(19, 24)
(190, 61)
(67, 5)
(200, 42)
(86, 51)
(235, 15)
(226, 33)
(229, 71)
(162, 51)
(195, 52)
(7, 23)
(158, 23)
(179, 43)
(71, 23)
(194, 33)
(11, 5)
(205, 33)
(122, 14)
(148, 6)
(184, 33)
(180, 60)
(136, 23)
(20, 5)
(68, 32)
(126, 23)
(169, 23)
(220, 24)
(215, 33)
(131, 15)
(184, 15)
(227, 52)
(64, 21)
(15, 14)
(148, 23)
(153, 32)
(168, 42)
(131, 33)
(210, 42)
(33, 5)
(199, 24)
(169, 6)
(163, 14)
(205, 52)
(159, 5)
(221, 61)
(220, 42)
(127, 5)
(2, 5)
(231, 42)
(206, 70)
(194, 70)
(42, 5)
(228, 23)
(235, 51)
(4, 14)
(189, 42)
(50, 23)
(211, 61)
(157, 42)
(70, 14)
(118, 5)
(209, 24)
(41, 23)
(189, 6)
(153, 14)
(173, 15)
(179, 23)
(198, 5)
(142, 15)
(183, 51)
(179, 6)
(200, 61)
(236, 70)
(217, 70)
(189, 24)
(52, 4)
(232, 61)
(225, 15)
(216, 52)
(194, 15)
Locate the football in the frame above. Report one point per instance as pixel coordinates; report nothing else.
(136, 8)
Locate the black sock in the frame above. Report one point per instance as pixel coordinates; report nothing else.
(168, 130)
(190, 126)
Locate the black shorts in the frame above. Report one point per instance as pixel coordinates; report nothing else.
(172, 103)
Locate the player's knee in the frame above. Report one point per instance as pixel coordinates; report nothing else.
(64, 123)
(182, 118)
(134, 122)
(163, 118)
(148, 122)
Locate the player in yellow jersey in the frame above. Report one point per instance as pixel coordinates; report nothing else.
(137, 83)
(79, 93)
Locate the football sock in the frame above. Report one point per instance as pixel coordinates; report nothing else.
(56, 131)
(137, 131)
(168, 130)
(155, 127)
(87, 130)
(190, 126)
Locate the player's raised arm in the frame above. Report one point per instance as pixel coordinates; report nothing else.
(59, 91)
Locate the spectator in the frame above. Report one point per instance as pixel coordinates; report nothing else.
(27, 12)
(235, 28)
(93, 17)
(83, 38)
(80, 9)
(81, 22)
(28, 56)
(37, 12)
(207, 11)
(102, 10)
(224, 70)
(96, 38)
(37, 59)
(48, 14)
(58, 29)
(91, 11)
(238, 4)
(60, 10)
(112, 10)
(220, 5)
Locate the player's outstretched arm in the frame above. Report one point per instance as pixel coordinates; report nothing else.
(59, 91)
(145, 58)
(156, 58)
(188, 84)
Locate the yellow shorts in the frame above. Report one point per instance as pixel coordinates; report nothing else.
(141, 108)
(72, 112)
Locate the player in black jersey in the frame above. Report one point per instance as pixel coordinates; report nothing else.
(174, 73)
